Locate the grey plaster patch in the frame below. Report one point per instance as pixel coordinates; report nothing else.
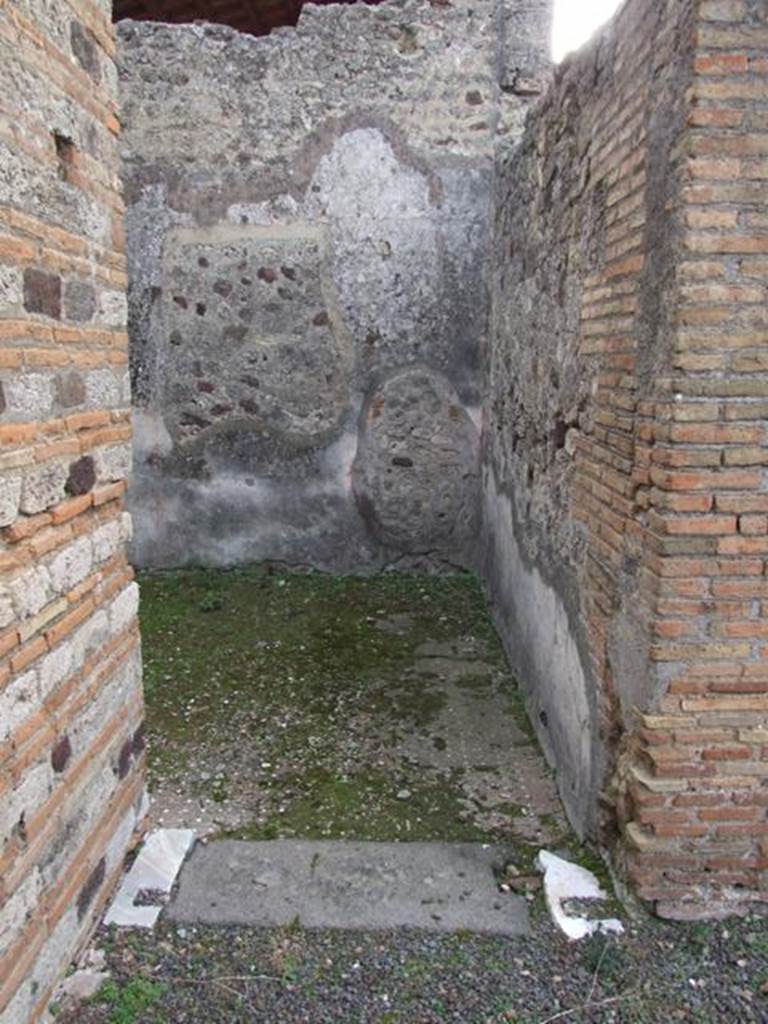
(298, 511)
(441, 887)
(536, 628)
(383, 223)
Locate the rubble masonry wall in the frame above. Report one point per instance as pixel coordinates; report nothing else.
(308, 220)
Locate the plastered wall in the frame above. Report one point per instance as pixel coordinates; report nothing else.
(308, 234)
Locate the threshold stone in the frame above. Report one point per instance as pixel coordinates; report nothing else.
(366, 886)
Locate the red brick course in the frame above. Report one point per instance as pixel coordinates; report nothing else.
(667, 180)
(717, 756)
(70, 693)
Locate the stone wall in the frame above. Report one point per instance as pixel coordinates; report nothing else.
(308, 235)
(70, 698)
(624, 445)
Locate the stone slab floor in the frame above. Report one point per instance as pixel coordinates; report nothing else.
(312, 708)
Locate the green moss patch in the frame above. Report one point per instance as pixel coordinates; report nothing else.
(308, 705)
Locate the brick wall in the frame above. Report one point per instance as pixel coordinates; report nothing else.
(70, 697)
(625, 544)
(698, 838)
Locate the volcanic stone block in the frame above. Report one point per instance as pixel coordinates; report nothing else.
(79, 300)
(82, 476)
(42, 293)
(69, 389)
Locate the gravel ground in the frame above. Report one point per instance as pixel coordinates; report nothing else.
(657, 972)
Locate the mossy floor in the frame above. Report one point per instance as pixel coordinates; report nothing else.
(307, 705)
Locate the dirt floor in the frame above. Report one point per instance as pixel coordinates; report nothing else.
(313, 706)
(308, 706)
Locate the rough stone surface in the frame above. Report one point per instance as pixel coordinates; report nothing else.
(253, 368)
(79, 300)
(415, 472)
(361, 886)
(81, 476)
(43, 487)
(292, 250)
(42, 293)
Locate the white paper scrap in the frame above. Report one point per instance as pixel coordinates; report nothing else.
(155, 868)
(566, 881)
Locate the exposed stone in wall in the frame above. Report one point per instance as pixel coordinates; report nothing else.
(415, 474)
(69, 658)
(309, 215)
(624, 450)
